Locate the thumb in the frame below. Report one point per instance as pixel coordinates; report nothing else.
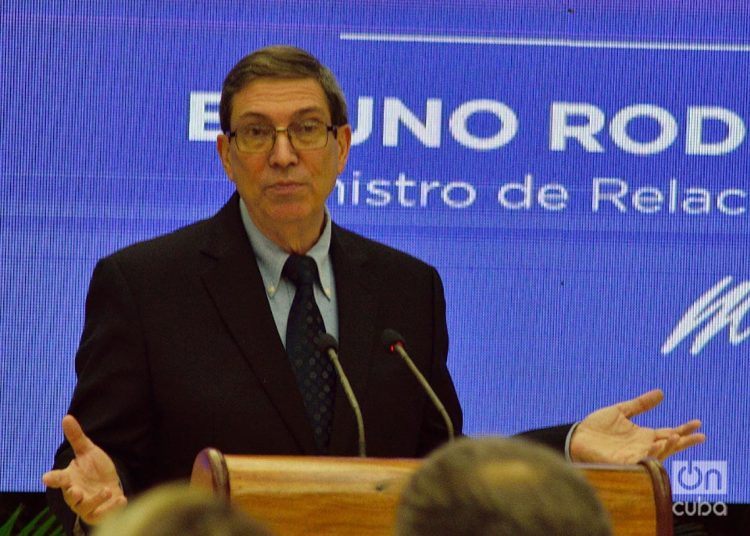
(641, 403)
(79, 442)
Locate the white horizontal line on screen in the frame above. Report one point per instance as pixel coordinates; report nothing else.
(540, 42)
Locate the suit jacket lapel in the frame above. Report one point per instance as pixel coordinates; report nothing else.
(236, 287)
(357, 308)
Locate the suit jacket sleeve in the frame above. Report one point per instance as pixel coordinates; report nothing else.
(553, 437)
(434, 431)
(111, 399)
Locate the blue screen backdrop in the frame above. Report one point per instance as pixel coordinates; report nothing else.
(577, 172)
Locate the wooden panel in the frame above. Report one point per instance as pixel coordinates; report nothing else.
(638, 501)
(297, 495)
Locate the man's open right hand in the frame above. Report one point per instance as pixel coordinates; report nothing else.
(90, 485)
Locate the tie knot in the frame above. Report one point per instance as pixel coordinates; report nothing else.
(301, 270)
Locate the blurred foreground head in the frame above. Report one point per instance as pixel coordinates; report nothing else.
(499, 486)
(176, 509)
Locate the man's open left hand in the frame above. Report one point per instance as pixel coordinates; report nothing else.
(609, 436)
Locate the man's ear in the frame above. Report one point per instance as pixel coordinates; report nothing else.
(222, 147)
(344, 141)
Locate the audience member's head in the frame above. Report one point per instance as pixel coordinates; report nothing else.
(499, 486)
(176, 509)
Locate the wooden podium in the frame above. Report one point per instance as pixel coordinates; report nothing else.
(297, 495)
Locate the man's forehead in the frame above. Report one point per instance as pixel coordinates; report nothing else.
(264, 96)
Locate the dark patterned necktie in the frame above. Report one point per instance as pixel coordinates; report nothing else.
(313, 369)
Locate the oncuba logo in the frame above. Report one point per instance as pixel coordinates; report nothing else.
(695, 478)
(719, 308)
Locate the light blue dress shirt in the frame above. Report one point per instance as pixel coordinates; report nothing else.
(279, 290)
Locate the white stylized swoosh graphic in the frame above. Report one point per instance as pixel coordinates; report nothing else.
(710, 314)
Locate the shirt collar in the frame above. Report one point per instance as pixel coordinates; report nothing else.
(271, 257)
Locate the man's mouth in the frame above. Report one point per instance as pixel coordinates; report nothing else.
(283, 187)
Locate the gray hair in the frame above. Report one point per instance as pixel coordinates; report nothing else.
(496, 486)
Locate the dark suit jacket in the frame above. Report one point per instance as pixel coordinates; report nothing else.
(180, 351)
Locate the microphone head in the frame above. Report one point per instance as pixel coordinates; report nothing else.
(391, 338)
(325, 342)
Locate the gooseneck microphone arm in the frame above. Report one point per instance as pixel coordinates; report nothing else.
(327, 343)
(394, 343)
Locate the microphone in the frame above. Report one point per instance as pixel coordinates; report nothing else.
(394, 343)
(327, 344)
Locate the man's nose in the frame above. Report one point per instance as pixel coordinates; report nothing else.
(283, 153)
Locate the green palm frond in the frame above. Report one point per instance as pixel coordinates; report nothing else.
(47, 525)
(8, 525)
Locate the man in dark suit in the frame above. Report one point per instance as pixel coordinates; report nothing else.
(193, 339)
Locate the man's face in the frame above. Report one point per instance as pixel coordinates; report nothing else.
(284, 189)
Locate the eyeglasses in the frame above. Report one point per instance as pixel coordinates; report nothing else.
(303, 136)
